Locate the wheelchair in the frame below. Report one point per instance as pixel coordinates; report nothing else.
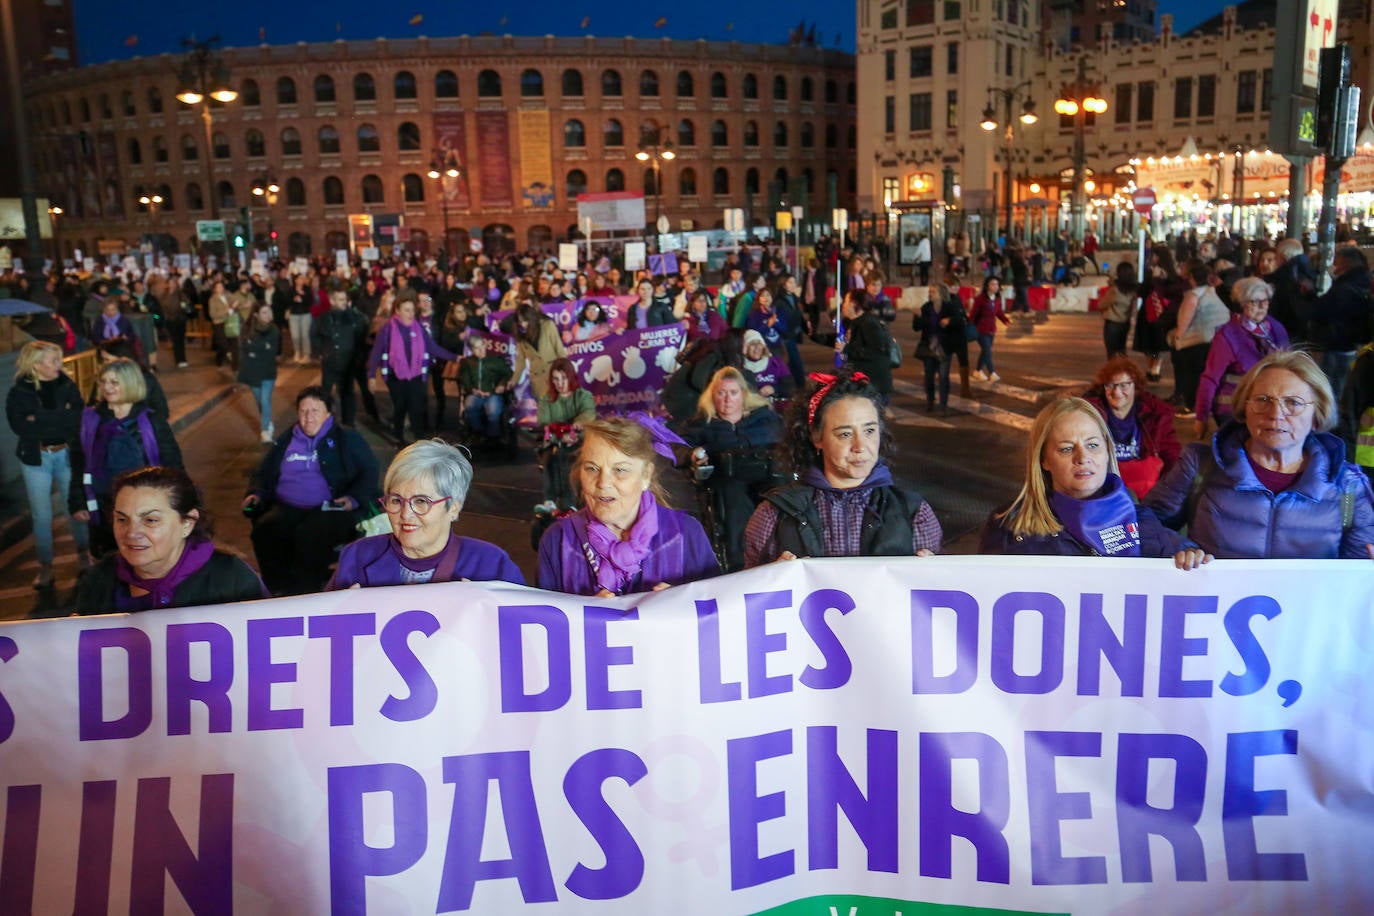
(475, 441)
(728, 489)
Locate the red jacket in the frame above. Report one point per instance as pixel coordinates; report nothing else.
(1156, 418)
(985, 313)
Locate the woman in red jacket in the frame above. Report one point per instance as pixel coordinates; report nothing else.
(1141, 424)
(984, 313)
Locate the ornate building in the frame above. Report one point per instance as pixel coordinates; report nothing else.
(349, 128)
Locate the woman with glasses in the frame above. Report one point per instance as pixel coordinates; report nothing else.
(1273, 482)
(1248, 337)
(423, 493)
(1141, 424)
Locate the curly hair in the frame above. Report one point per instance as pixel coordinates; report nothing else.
(565, 366)
(798, 451)
(1120, 365)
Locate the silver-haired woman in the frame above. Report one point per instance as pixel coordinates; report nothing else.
(423, 493)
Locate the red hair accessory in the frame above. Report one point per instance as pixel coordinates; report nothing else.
(826, 382)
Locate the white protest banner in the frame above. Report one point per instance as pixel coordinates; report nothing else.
(634, 255)
(567, 256)
(696, 249)
(1046, 735)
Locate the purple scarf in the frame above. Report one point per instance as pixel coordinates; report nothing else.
(111, 329)
(616, 562)
(194, 554)
(1106, 522)
(406, 362)
(1264, 340)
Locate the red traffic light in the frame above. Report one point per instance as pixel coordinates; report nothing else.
(274, 235)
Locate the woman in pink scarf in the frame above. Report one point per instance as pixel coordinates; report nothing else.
(405, 353)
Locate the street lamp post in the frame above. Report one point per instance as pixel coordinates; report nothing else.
(53, 213)
(990, 123)
(657, 153)
(204, 77)
(441, 166)
(1078, 100)
(266, 188)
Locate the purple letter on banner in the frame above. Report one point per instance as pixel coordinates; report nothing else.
(1126, 655)
(511, 621)
(830, 787)
(424, 693)
(1137, 819)
(748, 809)
(463, 864)
(160, 849)
(965, 608)
(941, 822)
(1174, 646)
(1004, 611)
(91, 688)
(602, 657)
(183, 690)
(712, 688)
(341, 630)
(351, 860)
(838, 667)
(263, 673)
(1049, 806)
(760, 643)
(1241, 803)
(624, 867)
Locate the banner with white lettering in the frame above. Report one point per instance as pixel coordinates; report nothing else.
(839, 736)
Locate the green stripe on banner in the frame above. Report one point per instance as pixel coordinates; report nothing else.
(860, 905)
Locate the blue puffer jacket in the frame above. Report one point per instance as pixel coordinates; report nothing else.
(1237, 517)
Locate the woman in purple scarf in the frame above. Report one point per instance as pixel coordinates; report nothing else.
(1073, 502)
(405, 352)
(1248, 337)
(625, 539)
(165, 557)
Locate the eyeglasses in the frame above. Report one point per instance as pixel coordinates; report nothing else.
(420, 505)
(1288, 406)
(1264, 301)
(1118, 386)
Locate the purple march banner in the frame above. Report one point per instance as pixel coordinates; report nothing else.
(627, 371)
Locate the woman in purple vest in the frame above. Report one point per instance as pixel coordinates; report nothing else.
(423, 492)
(119, 434)
(625, 539)
(406, 353)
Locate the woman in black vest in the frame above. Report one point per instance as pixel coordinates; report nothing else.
(845, 502)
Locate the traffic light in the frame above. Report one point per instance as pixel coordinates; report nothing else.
(273, 233)
(240, 236)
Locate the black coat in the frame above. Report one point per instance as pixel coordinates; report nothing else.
(258, 356)
(867, 349)
(339, 337)
(35, 425)
(223, 579)
(346, 461)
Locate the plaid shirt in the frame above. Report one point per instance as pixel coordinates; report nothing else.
(841, 515)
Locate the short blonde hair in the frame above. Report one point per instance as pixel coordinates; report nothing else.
(1030, 513)
(130, 378)
(1304, 367)
(706, 404)
(26, 367)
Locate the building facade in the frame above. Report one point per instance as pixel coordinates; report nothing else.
(351, 128)
(1187, 113)
(44, 42)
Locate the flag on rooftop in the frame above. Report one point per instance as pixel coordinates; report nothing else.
(131, 41)
(586, 21)
(417, 19)
(262, 33)
(662, 21)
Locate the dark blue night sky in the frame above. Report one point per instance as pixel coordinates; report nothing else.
(106, 30)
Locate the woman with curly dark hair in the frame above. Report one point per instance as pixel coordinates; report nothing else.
(845, 502)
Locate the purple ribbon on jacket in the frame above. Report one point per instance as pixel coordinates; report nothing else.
(664, 438)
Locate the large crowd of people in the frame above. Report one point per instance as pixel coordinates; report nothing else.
(789, 462)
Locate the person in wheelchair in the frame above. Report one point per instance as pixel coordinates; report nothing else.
(563, 407)
(729, 447)
(483, 379)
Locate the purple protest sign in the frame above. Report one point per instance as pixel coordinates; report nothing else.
(627, 371)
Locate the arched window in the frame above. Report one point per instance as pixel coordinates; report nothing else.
(412, 188)
(720, 134)
(445, 85)
(614, 134)
(489, 85)
(154, 104)
(808, 135)
(832, 92)
(85, 109)
(686, 133)
(159, 149)
(687, 182)
(329, 141)
(286, 91)
(751, 133)
(369, 141)
(105, 111)
(408, 136)
(168, 203)
(810, 175)
(779, 88)
(718, 87)
(751, 181)
(333, 191)
(572, 83)
(255, 143)
(649, 132)
(135, 151)
(720, 182)
(189, 151)
(780, 176)
(615, 180)
(610, 83)
(295, 192)
(324, 89)
(574, 134)
(364, 88)
(808, 89)
(780, 134)
(686, 86)
(290, 142)
(220, 144)
(403, 85)
(531, 84)
(849, 92)
(576, 183)
(648, 85)
(195, 200)
(249, 94)
(225, 192)
(372, 190)
(832, 136)
(650, 183)
(67, 112)
(751, 86)
(128, 100)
